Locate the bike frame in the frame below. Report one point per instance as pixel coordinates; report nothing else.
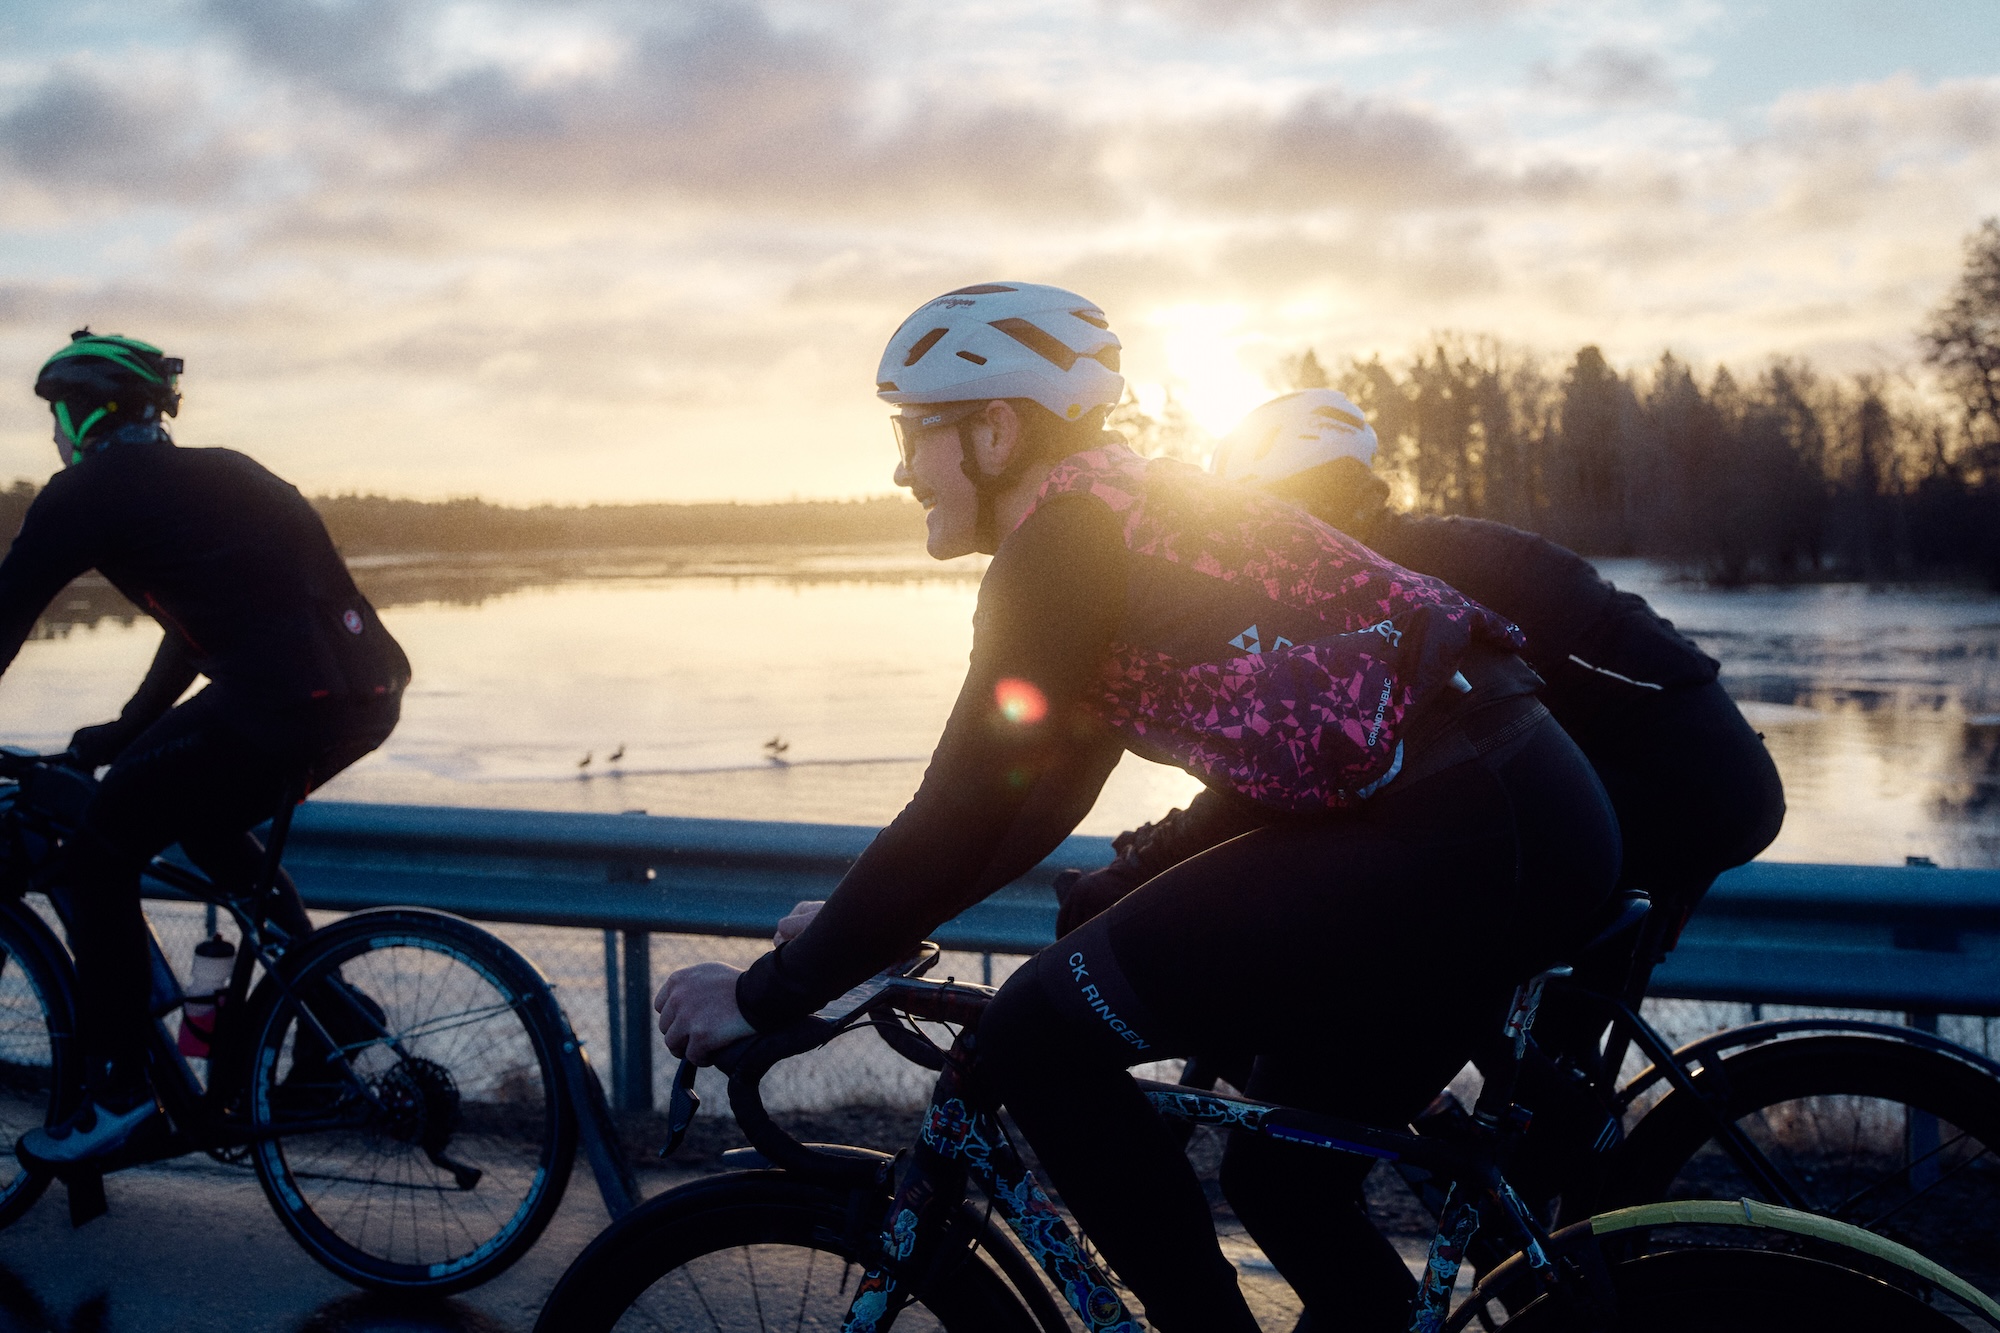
(961, 1141)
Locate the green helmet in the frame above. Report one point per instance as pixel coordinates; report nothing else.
(105, 377)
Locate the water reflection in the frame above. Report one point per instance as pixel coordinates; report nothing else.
(472, 580)
(1881, 706)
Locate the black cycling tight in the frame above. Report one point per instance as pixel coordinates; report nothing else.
(1359, 957)
(194, 777)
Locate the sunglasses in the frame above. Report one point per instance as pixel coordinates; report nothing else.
(910, 425)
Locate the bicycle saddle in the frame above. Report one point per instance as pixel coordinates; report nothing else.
(1618, 918)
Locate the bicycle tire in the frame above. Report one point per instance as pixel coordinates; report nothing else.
(1826, 1111)
(1729, 1267)
(36, 1083)
(742, 1250)
(1743, 1291)
(477, 1084)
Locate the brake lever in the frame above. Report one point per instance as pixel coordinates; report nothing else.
(682, 1102)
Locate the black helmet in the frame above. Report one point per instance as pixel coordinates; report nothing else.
(107, 375)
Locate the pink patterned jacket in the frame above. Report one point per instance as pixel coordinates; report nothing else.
(1262, 650)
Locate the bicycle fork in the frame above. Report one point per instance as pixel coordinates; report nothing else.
(960, 1141)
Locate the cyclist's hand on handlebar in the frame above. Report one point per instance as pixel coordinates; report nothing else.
(1080, 897)
(698, 1013)
(93, 747)
(797, 920)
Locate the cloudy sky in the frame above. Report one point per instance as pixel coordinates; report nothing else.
(606, 251)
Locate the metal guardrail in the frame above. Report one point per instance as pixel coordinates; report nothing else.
(1912, 938)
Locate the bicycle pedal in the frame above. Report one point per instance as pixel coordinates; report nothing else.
(86, 1198)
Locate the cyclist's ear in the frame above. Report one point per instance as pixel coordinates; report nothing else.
(997, 435)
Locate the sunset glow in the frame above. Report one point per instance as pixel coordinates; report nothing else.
(597, 251)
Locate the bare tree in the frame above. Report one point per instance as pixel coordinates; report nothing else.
(1962, 337)
(1302, 372)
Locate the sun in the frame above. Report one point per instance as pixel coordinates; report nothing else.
(1202, 347)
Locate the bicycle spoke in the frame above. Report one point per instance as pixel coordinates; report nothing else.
(805, 1292)
(756, 1297)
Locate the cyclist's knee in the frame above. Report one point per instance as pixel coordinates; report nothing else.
(1070, 1006)
(1018, 1033)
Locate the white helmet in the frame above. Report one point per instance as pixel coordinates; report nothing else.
(1288, 435)
(1004, 340)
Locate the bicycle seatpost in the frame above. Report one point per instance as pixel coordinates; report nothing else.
(274, 847)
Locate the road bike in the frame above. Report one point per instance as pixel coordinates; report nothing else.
(404, 1084)
(815, 1236)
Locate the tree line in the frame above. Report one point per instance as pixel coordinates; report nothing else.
(1786, 474)
(377, 524)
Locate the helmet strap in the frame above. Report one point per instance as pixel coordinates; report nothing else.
(983, 487)
(77, 433)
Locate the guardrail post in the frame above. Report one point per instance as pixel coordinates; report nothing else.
(614, 1018)
(635, 1065)
(1920, 1128)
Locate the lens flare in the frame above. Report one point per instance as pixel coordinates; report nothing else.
(1020, 701)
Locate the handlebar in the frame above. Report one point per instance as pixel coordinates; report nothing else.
(16, 763)
(747, 1062)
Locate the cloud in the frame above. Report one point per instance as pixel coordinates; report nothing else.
(371, 128)
(1334, 11)
(1331, 151)
(464, 244)
(1608, 76)
(82, 130)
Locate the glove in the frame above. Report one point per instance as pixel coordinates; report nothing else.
(97, 746)
(1079, 897)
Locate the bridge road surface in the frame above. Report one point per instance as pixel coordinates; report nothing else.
(192, 1247)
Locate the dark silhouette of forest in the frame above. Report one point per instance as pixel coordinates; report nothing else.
(374, 524)
(378, 525)
(1785, 474)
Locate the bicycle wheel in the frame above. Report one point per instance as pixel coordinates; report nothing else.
(1894, 1138)
(1743, 1291)
(751, 1251)
(33, 1060)
(433, 1158)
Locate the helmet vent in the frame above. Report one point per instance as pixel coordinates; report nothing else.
(1093, 317)
(983, 289)
(974, 357)
(1106, 357)
(1036, 341)
(886, 386)
(924, 344)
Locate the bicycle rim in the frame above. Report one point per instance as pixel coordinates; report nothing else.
(29, 1073)
(466, 1079)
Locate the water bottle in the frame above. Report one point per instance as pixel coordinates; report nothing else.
(214, 959)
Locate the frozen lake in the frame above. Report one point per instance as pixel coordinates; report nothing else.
(1881, 705)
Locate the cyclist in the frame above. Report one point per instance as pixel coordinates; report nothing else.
(244, 581)
(1694, 789)
(1435, 833)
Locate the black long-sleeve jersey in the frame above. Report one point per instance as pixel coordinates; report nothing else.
(230, 559)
